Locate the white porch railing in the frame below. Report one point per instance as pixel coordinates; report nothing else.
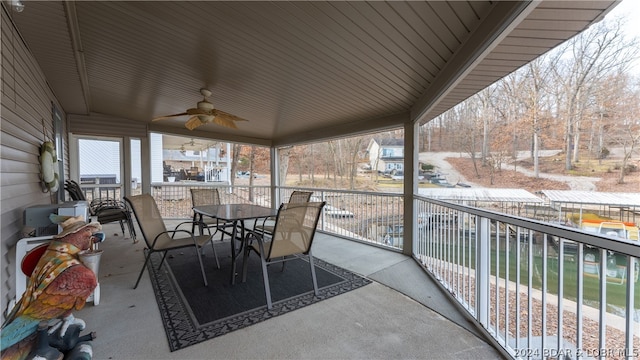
(375, 218)
(540, 290)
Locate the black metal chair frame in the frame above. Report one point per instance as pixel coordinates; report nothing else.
(106, 211)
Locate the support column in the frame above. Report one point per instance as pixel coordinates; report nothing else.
(410, 185)
(275, 177)
(126, 166)
(145, 159)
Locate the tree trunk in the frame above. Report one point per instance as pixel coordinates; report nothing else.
(284, 166)
(252, 158)
(568, 137)
(536, 154)
(485, 137)
(313, 166)
(576, 143)
(234, 162)
(600, 143)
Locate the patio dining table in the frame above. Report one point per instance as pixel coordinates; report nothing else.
(236, 214)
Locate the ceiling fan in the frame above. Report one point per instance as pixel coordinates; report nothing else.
(205, 113)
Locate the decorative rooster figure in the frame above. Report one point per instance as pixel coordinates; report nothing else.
(59, 284)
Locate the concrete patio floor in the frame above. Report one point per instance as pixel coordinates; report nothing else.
(402, 314)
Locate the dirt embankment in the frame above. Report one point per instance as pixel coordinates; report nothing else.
(458, 167)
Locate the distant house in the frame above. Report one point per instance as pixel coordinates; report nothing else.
(386, 155)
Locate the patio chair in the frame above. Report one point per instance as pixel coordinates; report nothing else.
(296, 197)
(292, 238)
(158, 238)
(105, 211)
(200, 197)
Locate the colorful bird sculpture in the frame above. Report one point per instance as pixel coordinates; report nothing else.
(59, 284)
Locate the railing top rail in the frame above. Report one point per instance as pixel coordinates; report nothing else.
(624, 246)
(342, 191)
(104, 186)
(203, 184)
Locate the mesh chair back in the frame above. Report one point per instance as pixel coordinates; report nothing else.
(201, 197)
(75, 192)
(149, 218)
(300, 196)
(295, 228)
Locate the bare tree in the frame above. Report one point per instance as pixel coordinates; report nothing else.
(464, 118)
(537, 75)
(591, 56)
(353, 146)
(625, 134)
(486, 113)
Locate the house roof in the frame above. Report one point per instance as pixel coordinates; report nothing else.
(480, 194)
(392, 142)
(298, 71)
(592, 198)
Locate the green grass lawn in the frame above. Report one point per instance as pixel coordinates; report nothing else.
(616, 293)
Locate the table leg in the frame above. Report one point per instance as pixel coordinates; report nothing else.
(234, 254)
(200, 224)
(234, 233)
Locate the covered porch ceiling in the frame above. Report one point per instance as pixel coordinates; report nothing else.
(298, 71)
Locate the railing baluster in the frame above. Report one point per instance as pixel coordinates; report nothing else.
(507, 258)
(518, 309)
(560, 295)
(545, 275)
(497, 282)
(603, 301)
(529, 299)
(629, 313)
(579, 297)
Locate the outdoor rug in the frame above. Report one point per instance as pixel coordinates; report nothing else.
(193, 313)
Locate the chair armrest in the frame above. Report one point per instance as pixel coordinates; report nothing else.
(258, 235)
(197, 223)
(172, 233)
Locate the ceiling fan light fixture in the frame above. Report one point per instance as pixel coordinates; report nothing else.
(205, 113)
(205, 118)
(18, 5)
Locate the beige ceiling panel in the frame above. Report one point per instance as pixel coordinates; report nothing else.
(296, 70)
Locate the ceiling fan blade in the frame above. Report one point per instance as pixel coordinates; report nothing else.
(197, 111)
(168, 116)
(193, 123)
(206, 113)
(223, 121)
(226, 115)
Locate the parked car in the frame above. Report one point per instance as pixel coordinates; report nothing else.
(336, 212)
(440, 182)
(333, 211)
(427, 175)
(245, 175)
(399, 175)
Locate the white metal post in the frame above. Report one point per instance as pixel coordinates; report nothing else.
(483, 271)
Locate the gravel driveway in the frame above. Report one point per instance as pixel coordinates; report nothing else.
(437, 159)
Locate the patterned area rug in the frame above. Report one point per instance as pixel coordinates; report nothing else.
(193, 313)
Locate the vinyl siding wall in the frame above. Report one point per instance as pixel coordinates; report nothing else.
(26, 121)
